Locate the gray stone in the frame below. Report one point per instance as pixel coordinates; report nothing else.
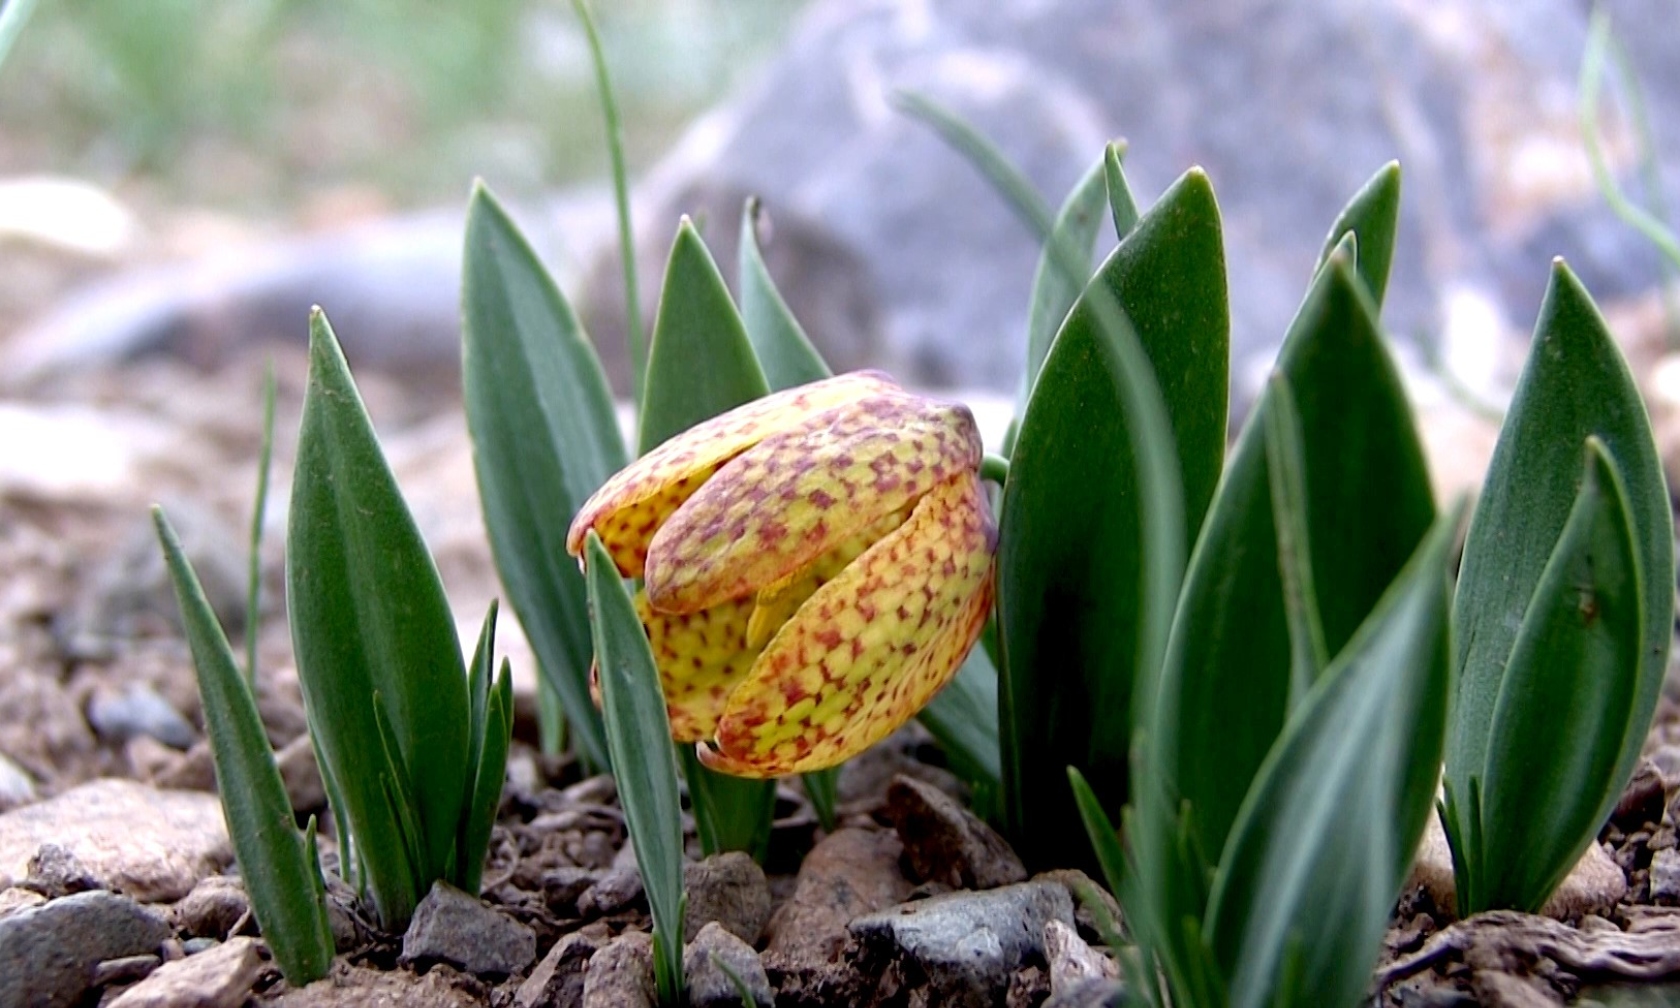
(127, 970)
(213, 908)
(967, 944)
(1665, 876)
(137, 709)
(461, 930)
(48, 953)
(730, 889)
(1071, 960)
(151, 844)
(219, 977)
(708, 963)
(16, 786)
(620, 975)
(55, 872)
(557, 981)
(563, 885)
(944, 842)
(850, 872)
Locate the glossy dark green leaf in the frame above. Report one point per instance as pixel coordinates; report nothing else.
(280, 877)
(1575, 385)
(544, 439)
(1226, 684)
(1565, 703)
(1372, 217)
(1084, 587)
(784, 351)
(701, 362)
(639, 734)
(369, 617)
(1105, 839)
(1064, 268)
(1122, 207)
(1324, 838)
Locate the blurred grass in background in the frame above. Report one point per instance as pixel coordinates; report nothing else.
(252, 106)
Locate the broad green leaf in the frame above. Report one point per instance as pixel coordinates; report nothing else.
(822, 788)
(1575, 385)
(1064, 268)
(280, 877)
(1372, 217)
(639, 734)
(963, 718)
(1085, 586)
(1565, 702)
(373, 635)
(784, 351)
(1226, 684)
(701, 362)
(1325, 835)
(1285, 463)
(730, 813)
(1122, 207)
(544, 438)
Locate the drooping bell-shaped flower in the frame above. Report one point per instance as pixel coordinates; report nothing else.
(816, 564)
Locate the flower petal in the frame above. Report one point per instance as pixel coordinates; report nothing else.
(777, 506)
(701, 657)
(631, 506)
(870, 648)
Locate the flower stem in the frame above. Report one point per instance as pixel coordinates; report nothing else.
(995, 468)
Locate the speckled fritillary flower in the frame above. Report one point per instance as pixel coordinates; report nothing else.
(816, 564)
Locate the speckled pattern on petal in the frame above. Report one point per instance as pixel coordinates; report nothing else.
(776, 507)
(632, 505)
(871, 647)
(701, 658)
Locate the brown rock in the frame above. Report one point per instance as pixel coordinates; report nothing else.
(620, 975)
(729, 888)
(945, 842)
(220, 977)
(851, 872)
(213, 908)
(1595, 885)
(557, 981)
(150, 844)
(362, 987)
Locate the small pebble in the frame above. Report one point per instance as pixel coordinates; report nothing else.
(138, 709)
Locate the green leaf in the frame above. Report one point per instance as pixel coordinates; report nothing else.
(280, 877)
(639, 734)
(730, 813)
(783, 350)
(1372, 217)
(1105, 839)
(1285, 464)
(1565, 702)
(822, 787)
(544, 438)
(1325, 835)
(1122, 207)
(701, 362)
(1575, 385)
(1007, 180)
(491, 726)
(369, 619)
(963, 718)
(1226, 684)
(1086, 581)
(1064, 268)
